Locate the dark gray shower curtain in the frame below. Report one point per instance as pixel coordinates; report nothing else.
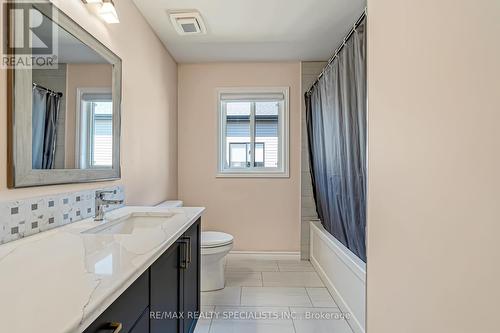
(336, 123)
(44, 127)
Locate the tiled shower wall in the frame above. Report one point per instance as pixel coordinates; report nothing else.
(27, 217)
(310, 71)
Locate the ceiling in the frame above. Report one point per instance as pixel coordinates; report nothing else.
(256, 30)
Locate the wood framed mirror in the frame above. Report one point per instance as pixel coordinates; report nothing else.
(64, 107)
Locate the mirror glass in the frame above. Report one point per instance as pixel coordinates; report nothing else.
(72, 114)
(64, 100)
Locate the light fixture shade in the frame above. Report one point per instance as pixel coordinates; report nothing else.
(108, 12)
(92, 2)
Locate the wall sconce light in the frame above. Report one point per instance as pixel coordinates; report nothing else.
(106, 11)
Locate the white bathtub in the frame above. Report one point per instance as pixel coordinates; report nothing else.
(343, 273)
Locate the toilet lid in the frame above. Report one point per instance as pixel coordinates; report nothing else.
(215, 239)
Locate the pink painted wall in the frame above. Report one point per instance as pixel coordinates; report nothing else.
(434, 162)
(262, 214)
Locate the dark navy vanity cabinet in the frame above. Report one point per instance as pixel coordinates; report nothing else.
(175, 285)
(165, 299)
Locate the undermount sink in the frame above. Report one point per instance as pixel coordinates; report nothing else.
(130, 222)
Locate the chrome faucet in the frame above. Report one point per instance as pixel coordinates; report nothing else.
(100, 203)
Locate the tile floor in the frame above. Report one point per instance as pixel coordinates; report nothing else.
(270, 296)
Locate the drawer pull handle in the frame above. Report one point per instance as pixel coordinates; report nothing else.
(117, 327)
(185, 248)
(189, 250)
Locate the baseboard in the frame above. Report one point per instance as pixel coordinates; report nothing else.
(267, 255)
(353, 322)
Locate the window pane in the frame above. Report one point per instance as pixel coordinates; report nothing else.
(102, 141)
(266, 134)
(239, 155)
(103, 108)
(259, 155)
(238, 134)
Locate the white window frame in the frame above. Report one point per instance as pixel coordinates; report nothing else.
(82, 140)
(283, 169)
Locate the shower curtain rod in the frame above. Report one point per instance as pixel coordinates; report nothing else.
(338, 49)
(35, 85)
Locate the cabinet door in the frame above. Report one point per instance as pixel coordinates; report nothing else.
(166, 287)
(126, 310)
(192, 274)
(142, 325)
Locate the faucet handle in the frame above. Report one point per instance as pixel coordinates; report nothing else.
(99, 194)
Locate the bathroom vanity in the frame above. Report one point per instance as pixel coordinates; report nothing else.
(138, 272)
(165, 298)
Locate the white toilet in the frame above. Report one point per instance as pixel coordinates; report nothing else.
(214, 248)
(171, 204)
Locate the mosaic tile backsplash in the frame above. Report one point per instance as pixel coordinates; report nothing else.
(27, 217)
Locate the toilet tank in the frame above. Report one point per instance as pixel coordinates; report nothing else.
(171, 204)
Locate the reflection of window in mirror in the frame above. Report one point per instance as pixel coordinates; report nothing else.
(95, 129)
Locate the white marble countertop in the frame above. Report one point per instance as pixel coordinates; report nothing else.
(61, 280)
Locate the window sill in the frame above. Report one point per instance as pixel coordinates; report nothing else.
(253, 175)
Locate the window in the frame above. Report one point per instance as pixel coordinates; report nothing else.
(96, 130)
(240, 155)
(253, 132)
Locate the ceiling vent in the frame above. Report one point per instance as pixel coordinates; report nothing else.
(187, 22)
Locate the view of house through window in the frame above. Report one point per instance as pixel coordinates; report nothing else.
(96, 131)
(252, 133)
(102, 133)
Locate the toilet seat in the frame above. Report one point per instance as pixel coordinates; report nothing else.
(211, 239)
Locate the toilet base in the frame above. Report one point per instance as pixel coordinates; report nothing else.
(212, 267)
(212, 276)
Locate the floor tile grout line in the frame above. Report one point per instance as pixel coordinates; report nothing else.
(211, 320)
(210, 326)
(309, 296)
(293, 321)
